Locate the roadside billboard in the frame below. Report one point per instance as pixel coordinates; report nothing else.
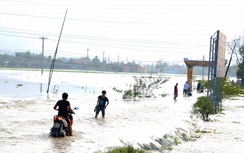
(220, 69)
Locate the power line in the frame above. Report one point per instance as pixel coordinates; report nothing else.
(122, 46)
(101, 21)
(58, 4)
(143, 42)
(27, 15)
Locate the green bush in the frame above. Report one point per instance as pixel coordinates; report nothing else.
(204, 107)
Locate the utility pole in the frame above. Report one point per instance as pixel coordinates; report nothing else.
(87, 58)
(43, 38)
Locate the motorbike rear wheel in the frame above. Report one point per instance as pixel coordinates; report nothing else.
(62, 133)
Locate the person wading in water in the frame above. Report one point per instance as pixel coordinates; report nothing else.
(102, 103)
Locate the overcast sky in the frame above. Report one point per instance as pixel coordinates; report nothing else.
(141, 30)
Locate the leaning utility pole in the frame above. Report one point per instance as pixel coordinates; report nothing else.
(54, 58)
(43, 38)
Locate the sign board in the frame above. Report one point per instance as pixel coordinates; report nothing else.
(220, 69)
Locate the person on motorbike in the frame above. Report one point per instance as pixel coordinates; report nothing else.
(63, 109)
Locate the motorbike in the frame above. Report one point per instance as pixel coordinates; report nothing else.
(60, 125)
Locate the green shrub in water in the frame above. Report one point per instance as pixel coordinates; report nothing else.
(127, 94)
(203, 106)
(143, 87)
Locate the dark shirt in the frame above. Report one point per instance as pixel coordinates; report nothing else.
(176, 90)
(102, 101)
(62, 107)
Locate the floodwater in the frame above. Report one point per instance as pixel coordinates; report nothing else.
(27, 111)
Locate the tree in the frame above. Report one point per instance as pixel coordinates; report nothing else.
(233, 47)
(5, 57)
(240, 59)
(95, 63)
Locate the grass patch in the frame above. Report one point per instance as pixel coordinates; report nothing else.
(198, 131)
(164, 94)
(126, 149)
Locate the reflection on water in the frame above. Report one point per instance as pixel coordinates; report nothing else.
(26, 116)
(63, 144)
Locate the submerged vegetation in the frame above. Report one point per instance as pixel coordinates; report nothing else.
(127, 148)
(143, 87)
(158, 144)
